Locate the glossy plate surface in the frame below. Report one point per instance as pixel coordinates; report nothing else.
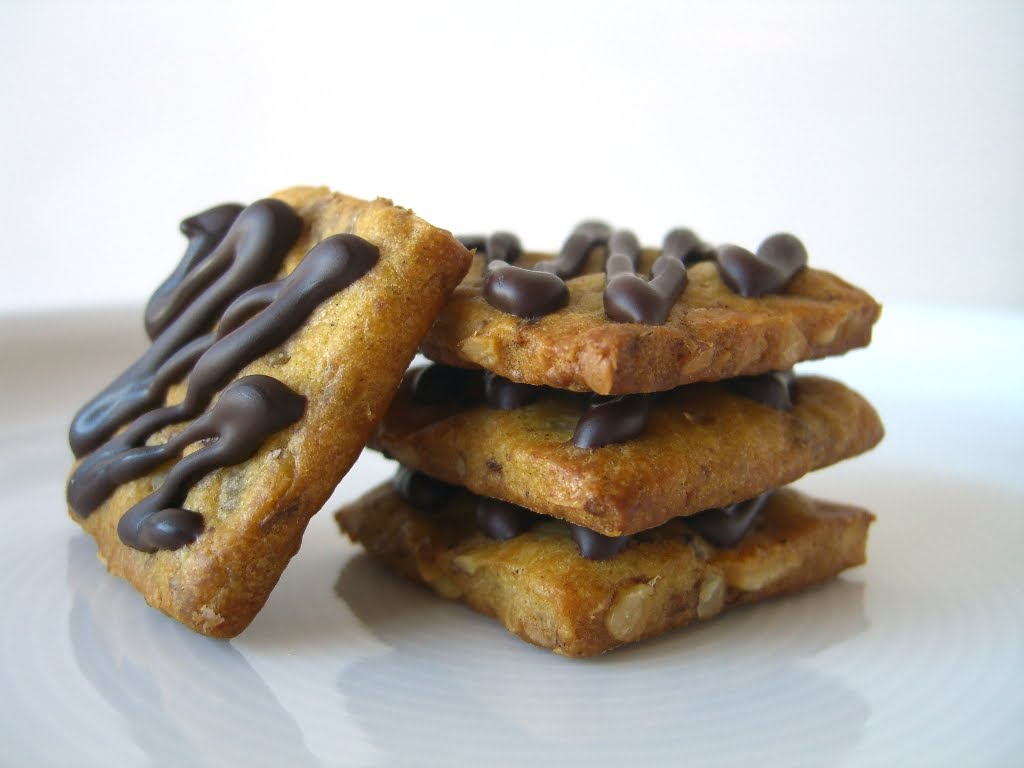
(915, 659)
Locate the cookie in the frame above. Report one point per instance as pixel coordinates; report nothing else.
(561, 321)
(538, 586)
(277, 346)
(627, 464)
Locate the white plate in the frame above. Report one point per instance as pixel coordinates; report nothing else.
(915, 659)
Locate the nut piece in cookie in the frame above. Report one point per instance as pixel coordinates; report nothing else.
(539, 587)
(276, 347)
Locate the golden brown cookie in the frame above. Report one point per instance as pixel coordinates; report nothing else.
(277, 346)
(711, 332)
(540, 588)
(703, 446)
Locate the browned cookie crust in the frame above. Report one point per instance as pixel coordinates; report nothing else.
(711, 333)
(540, 588)
(703, 447)
(346, 360)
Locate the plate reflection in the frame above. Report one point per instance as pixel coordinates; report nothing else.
(743, 688)
(185, 699)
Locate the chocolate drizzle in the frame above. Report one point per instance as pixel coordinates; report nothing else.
(726, 527)
(246, 414)
(776, 262)
(204, 232)
(587, 236)
(611, 420)
(604, 421)
(683, 244)
(532, 293)
(502, 520)
(597, 546)
(523, 292)
(770, 389)
(628, 298)
(250, 253)
(508, 395)
(425, 493)
(254, 318)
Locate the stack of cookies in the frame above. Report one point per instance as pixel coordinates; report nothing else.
(596, 455)
(598, 452)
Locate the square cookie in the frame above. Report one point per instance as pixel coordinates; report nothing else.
(710, 333)
(540, 588)
(277, 346)
(702, 446)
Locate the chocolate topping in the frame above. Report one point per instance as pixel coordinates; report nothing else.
(501, 520)
(246, 414)
(435, 384)
(587, 236)
(597, 546)
(251, 252)
(421, 491)
(524, 292)
(612, 420)
(778, 259)
(628, 298)
(725, 527)
(258, 318)
(501, 246)
(683, 244)
(281, 308)
(204, 231)
(508, 395)
(770, 389)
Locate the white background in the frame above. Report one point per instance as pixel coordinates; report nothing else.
(888, 136)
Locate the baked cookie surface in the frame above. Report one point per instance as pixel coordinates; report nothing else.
(360, 282)
(703, 446)
(539, 587)
(711, 332)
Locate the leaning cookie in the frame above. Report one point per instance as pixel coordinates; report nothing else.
(277, 345)
(589, 319)
(625, 464)
(539, 586)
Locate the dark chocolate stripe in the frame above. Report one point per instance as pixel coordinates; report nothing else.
(628, 298)
(611, 420)
(502, 520)
(204, 231)
(523, 292)
(776, 262)
(587, 236)
(330, 266)
(250, 253)
(683, 244)
(770, 389)
(501, 246)
(726, 527)
(508, 395)
(597, 546)
(246, 414)
(425, 493)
